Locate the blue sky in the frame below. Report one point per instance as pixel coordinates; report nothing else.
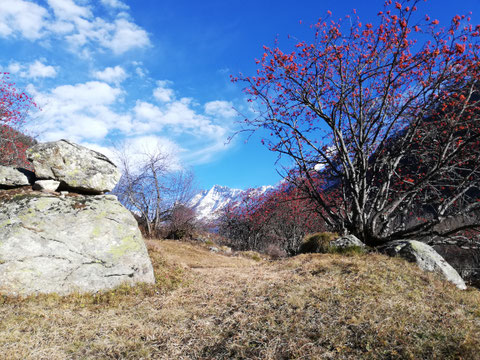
(156, 72)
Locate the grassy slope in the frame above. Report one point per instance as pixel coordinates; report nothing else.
(212, 306)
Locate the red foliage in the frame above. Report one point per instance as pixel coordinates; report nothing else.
(14, 107)
(361, 101)
(280, 217)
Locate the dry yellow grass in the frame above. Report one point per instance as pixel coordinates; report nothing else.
(193, 255)
(221, 307)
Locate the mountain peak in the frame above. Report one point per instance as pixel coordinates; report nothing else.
(222, 189)
(209, 203)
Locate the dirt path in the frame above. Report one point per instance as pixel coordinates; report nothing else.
(233, 307)
(196, 256)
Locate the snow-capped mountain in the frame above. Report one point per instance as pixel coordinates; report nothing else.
(208, 203)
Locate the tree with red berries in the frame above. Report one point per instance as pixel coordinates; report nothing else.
(385, 114)
(14, 107)
(279, 217)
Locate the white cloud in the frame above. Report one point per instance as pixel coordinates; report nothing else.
(203, 138)
(140, 72)
(79, 112)
(139, 69)
(220, 109)
(14, 67)
(39, 70)
(111, 75)
(162, 92)
(209, 151)
(137, 151)
(34, 70)
(68, 10)
(89, 113)
(180, 114)
(143, 146)
(147, 111)
(126, 36)
(116, 4)
(178, 117)
(86, 127)
(61, 27)
(75, 23)
(25, 18)
(87, 94)
(119, 36)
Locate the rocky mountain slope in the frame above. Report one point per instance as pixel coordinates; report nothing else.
(209, 203)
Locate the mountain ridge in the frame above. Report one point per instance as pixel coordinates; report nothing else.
(208, 203)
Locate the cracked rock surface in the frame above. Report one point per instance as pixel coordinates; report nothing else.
(53, 244)
(347, 241)
(10, 176)
(76, 166)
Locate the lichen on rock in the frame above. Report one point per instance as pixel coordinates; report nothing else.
(425, 257)
(14, 177)
(75, 166)
(60, 244)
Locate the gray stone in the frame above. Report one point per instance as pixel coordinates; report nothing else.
(425, 257)
(46, 185)
(79, 168)
(50, 244)
(347, 241)
(12, 177)
(226, 249)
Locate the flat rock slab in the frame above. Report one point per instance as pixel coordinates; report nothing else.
(11, 177)
(53, 244)
(46, 185)
(76, 166)
(425, 257)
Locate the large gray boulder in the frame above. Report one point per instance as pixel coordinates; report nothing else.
(77, 167)
(425, 257)
(13, 177)
(347, 241)
(54, 244)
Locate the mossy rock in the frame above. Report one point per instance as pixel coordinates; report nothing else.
(425, 257)
(328, 242)
(76, 167)
(53, 244)
(317, 243)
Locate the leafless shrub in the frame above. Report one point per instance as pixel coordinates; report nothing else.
(155, 191)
